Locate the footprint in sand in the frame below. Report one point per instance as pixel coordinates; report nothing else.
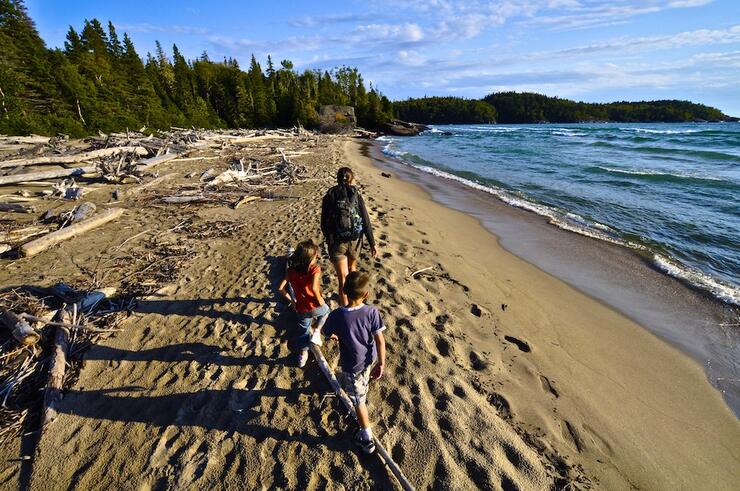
(522, 345)
(548, 387)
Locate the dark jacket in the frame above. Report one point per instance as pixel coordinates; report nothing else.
(328, 206)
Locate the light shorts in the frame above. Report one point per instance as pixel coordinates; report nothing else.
(356, 385)
(349, 249)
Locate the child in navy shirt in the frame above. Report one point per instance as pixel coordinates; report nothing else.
(359, 329)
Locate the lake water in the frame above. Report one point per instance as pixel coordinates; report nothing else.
(669, 191)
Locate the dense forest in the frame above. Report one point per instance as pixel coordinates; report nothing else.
(527, 107)
(445, 110)
(98, 82)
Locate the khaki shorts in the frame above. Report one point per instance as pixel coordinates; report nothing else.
(356, 385)
(349, 249)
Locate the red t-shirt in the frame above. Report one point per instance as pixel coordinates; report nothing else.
(302, 284)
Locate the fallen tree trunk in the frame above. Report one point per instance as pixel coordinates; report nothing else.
(21, 234)
(49, 174)
(69, 159)
(184, 199)
(329, 374)
(147, 164)
(5, 248)
(244, 200)
(41, 244)
(19, 328)
(17, 208)
(57, 367)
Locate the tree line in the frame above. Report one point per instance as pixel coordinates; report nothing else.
(528, 107)
(98, 82)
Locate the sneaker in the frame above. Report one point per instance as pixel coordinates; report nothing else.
(367, 446)
(302, 358)
(316, 337)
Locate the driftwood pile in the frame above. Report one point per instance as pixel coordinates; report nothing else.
(37, 169)
(42, 333)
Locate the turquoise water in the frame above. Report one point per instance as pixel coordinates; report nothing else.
(670, 191)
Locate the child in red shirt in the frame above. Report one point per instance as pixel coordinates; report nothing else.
(304, 277)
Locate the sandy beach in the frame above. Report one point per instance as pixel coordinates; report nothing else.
(500, 376)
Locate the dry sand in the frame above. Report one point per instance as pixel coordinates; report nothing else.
(201, 390)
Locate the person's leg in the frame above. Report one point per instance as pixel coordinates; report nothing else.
(340, 266)
(304, 336)
(362, 416)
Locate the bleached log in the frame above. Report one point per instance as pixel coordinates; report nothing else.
(24, 140)
(39, 245)
(151, 184)
(19, 328)
(58, 364)
(21, 234)
(245, 200)
(17, 208)
(49, 174)
(147, 164)
(183, 199)
(57, 367)
(5, 248)
(329, 374)
(69, 159)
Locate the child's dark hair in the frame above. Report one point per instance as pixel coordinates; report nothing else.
(300, 260)
(356, 285)
(345, 176)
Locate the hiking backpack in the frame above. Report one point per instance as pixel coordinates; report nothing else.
(346, 216)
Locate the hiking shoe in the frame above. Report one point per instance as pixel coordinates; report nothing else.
(367, 446)
(316, 337)
(302, 358)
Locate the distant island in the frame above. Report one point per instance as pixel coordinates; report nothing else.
(528, 107)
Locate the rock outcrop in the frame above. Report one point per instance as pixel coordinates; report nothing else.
(337, 119)
(402, 128)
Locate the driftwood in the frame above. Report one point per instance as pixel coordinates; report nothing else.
(57, 367)
(19, 328)
(151, 184)
(5, 248)
(244, 200)
(41, 244)
(17, 208)
(329, 374)
(70, 159)
(147, 164)
(64, 320)
(49, 174)
(21, 234)
(184, 199)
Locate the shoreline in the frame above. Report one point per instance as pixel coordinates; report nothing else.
(620, 277)
(630, 394)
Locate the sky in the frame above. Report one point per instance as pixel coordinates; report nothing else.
(589, 50)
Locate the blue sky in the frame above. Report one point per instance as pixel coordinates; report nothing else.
(590, 50)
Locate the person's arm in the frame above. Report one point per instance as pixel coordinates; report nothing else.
(380, 344)
(367, 227)
(283, 289)
(316, 287)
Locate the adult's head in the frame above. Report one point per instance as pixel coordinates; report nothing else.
(303, 256)
(357, 285)
(345, 176)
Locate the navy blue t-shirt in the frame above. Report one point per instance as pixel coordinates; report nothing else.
(355, 328)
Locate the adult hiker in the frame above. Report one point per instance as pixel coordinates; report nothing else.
(344, 223)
